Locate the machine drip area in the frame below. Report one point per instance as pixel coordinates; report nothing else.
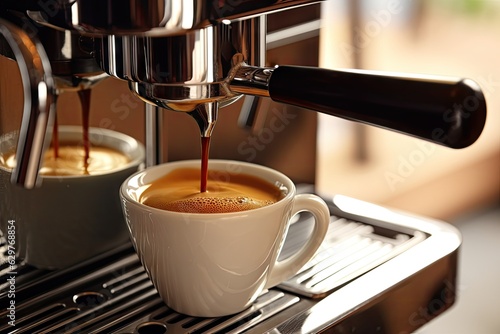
(372, 258)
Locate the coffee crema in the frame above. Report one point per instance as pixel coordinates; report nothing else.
(226, 192)
(70, 161)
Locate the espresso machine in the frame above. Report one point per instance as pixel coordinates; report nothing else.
(198, 58)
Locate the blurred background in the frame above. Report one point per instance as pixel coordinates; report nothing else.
(442, 37)
(439, 37)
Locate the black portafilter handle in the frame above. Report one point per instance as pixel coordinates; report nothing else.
(446, 111)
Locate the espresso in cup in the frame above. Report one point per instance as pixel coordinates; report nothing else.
(74, 214)
(215, 262)
(70, 160)
(226, 192)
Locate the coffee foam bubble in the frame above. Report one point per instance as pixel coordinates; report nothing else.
(209, 204)
(179, 191)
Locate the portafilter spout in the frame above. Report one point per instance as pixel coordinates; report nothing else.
(50, 61)
(205, 116)
(71, 57)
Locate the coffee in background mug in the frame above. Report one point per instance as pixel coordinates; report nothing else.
(75, 213)
(216, 263)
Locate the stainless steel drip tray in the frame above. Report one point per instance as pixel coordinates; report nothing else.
(377, 271)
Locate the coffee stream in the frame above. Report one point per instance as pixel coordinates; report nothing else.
(187, 189)
(205, 149)
(55, 138)
(84, 96)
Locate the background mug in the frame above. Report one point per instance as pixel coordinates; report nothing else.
(68, 219)
(216, 264)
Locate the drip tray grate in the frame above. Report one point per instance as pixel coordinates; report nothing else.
(113, 294)
(118, 297)
(350, 249)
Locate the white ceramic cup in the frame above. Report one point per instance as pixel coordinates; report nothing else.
(216, 264)
(68, 219)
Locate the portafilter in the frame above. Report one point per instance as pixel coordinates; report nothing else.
(195, 56)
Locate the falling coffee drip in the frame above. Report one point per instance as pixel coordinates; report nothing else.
(205, 116)
(205, 149)
(55, 138)
(84, 96)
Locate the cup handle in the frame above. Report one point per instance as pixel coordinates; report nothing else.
(285, 269)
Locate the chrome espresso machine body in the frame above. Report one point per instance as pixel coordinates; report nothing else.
(379, 270)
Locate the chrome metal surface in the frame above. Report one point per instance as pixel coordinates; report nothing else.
(151, 17)
(71, 57)
(249, 109)
(293, 34)
(39, 94)
(396, 293)
(205, 116)
(180, 72)
(154, 140)
(178, 55)
(250, 80)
